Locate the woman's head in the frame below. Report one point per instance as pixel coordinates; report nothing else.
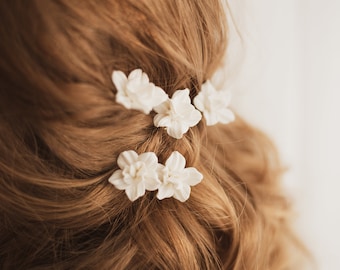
(62, 131)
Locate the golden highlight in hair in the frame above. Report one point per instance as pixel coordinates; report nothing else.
(61, 132)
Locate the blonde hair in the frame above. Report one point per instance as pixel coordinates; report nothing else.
(61, 132)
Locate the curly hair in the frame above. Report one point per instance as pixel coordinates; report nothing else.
(61, 132)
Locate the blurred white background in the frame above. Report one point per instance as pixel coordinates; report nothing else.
(285, 76)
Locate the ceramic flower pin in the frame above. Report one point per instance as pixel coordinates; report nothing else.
(136, 91)
(177, 114)
(139, 173)
(214, 104)
(176, 179)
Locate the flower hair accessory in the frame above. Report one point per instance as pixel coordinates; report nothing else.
(175, 114)
(214, 105)
(136, 92)
(139, 173)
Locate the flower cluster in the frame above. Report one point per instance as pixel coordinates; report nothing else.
(139, 173)
(176, 114)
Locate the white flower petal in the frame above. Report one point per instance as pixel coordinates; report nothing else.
(141, 189)
(226, 96)
(208, 89)
(226, 116)
(159, 96)
(199, 101)
(176, 161)
(117, 179)
(161, 120)
(210, 118)
(119, 79)
(182, 109)
(144, 78)
(165, 191)
(133, 88)
(181, 96)
(152, 182)
(163, 108)
(133, 192)
(123, 100)
(126, 158)
(160, 172)
(144, 108)
(149, 158)
(177, 129)
(183, 193)
(194, 117)
(193, 176)
(136, 75)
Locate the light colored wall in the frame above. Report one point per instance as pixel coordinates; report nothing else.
(289, 85)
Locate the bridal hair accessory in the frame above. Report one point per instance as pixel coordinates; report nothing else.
(141, 173)
(136, 92)
(214, 105)
(175, 114)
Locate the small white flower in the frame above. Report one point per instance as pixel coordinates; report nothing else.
(214, 105)
(177, 114)
(136, 92)
(137, 173)
(176, 179)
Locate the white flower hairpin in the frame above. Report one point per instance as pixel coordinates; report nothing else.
(214, 104)
(136, 92)
(177, 114)
(176, 179)
(139, 173)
